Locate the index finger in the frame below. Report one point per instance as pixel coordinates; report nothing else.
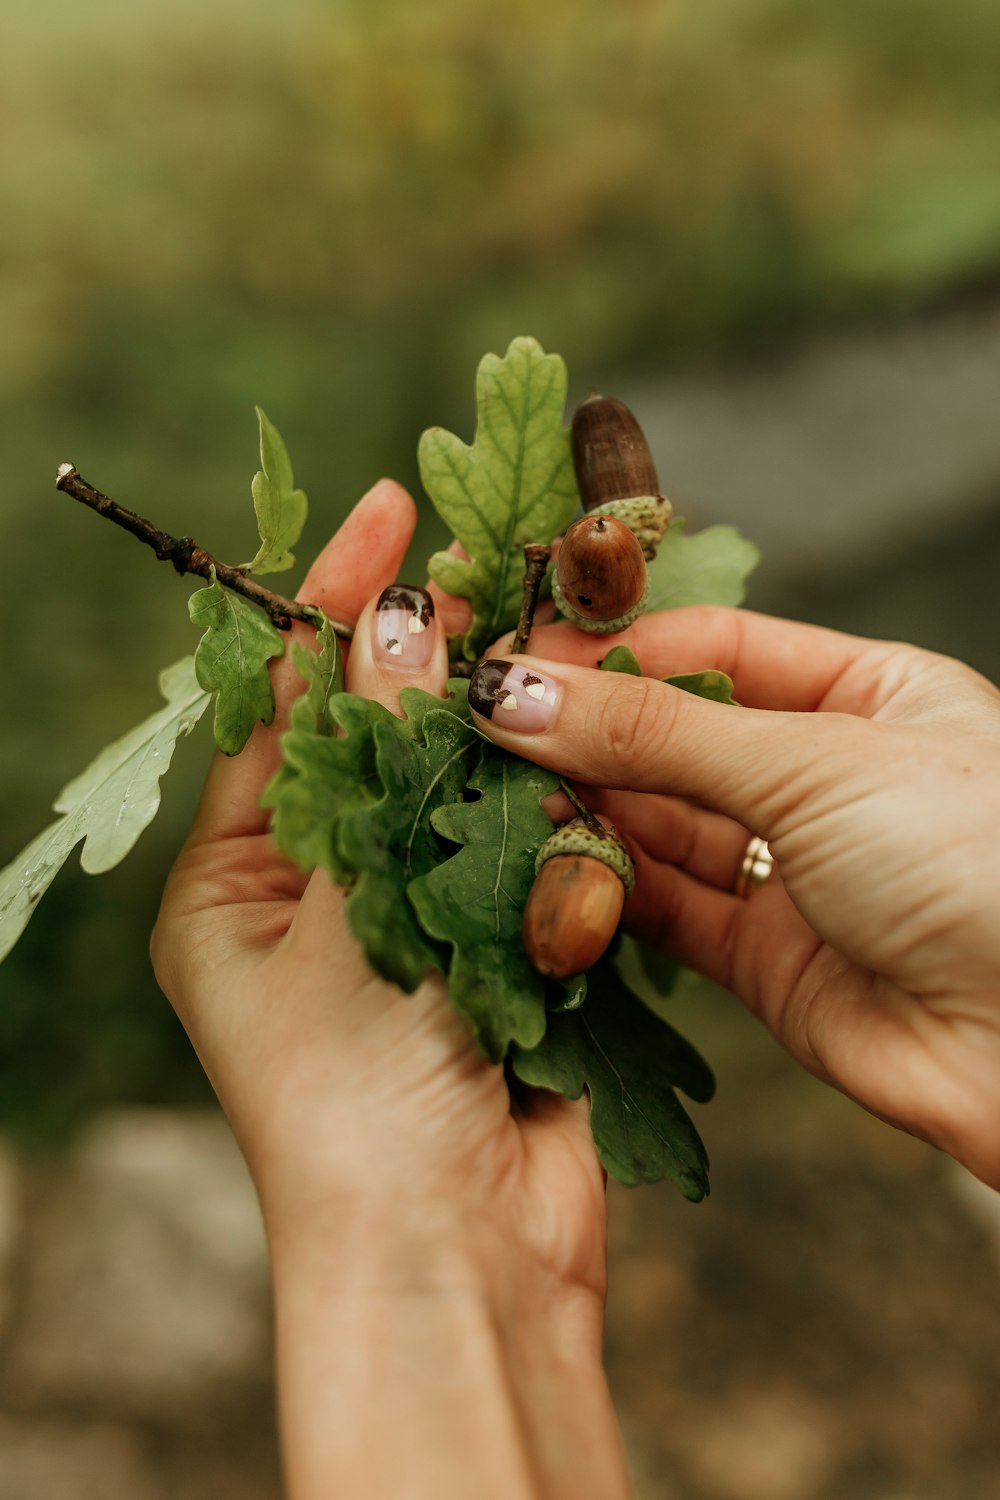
(777, 664)
(609, 729)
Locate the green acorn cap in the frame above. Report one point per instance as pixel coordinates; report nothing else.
(598, 627)
(577, 838)
(646, 516)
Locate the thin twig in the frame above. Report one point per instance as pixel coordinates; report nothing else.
(536, 560)
(187, 557)
(591, 819)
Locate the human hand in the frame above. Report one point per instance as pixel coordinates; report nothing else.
(391, 1164)
(873, 771)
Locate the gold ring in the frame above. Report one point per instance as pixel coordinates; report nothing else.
(756, 866)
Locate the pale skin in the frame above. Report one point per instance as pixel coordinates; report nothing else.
(873, 770)
(439, 1254)
(438, 1258)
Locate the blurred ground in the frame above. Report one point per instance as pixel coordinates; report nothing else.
(824, 1327)
(135, 1328)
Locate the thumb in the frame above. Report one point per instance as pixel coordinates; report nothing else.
(613, 730)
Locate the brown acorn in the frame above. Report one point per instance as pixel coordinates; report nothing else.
(574, 906)
(615, 472)
(610, 453)
(600, 577)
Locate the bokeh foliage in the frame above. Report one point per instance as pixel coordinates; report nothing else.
(333, 209)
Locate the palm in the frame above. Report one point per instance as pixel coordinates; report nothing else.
(302, 1038)
(304, 1044)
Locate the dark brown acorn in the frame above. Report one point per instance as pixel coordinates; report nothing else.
(575, 904)
(610, 453)
(600, 571)
(615, 472)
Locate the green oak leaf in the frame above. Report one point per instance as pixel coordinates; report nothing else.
(513, 485)
(710, 567)
(710, 684)
(323, 673)
(475, 900)
(109, 804)
(328, 764)
(707, 684)
(648, 973)
(324, 777)
(231, 662)
(423, 763)
(329, 761)
(281, 509)
(621, 659)
(629, 1060)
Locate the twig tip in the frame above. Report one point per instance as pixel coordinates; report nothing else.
(64, 472)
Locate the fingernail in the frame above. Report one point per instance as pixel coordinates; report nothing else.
(513, 697)
(403, 628)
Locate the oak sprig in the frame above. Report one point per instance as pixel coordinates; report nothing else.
(433, 830)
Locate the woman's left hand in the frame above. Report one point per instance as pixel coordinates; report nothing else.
(391, 1164)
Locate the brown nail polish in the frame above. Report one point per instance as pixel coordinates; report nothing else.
(513, 696)
(403, 628)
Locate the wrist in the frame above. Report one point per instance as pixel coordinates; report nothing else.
(452, 1365)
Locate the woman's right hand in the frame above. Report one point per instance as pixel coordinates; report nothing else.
(873, 770)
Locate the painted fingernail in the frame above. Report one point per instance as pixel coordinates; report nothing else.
(513, 697)
(403, 628)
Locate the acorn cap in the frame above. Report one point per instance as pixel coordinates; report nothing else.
(577, 838)
(646, 516)
(599, 627)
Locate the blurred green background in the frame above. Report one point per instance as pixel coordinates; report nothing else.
(333, 209)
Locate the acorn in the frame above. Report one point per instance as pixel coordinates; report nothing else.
(600, 577)
(572, 912)
(615, 472)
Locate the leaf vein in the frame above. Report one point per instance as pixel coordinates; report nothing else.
(505, 822)
(469, 499)
(424, 800)
(626, 1094)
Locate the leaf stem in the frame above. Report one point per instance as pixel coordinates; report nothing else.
(536, 560)
(591, 819)
(187, 557)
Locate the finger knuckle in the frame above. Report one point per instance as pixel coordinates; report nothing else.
(633, 722)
